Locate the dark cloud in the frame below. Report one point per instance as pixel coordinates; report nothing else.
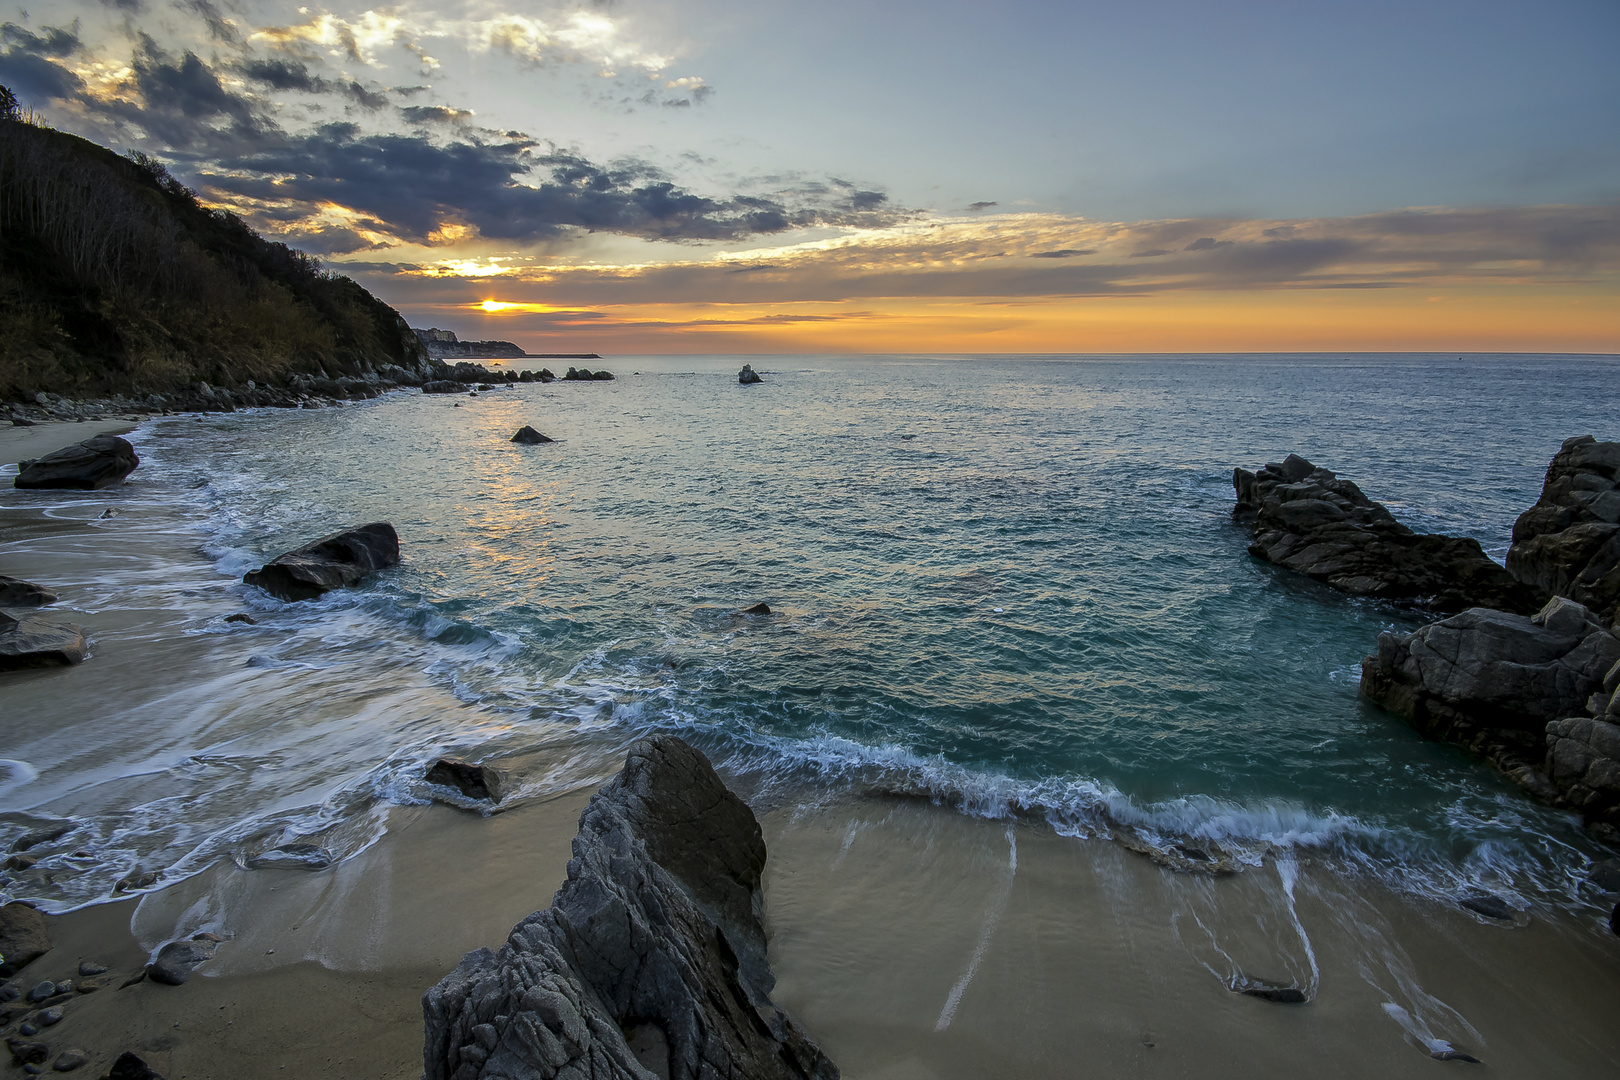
(184, 97)
(1063, 253)
(434, 114)
(366, 99)
(134, 7)
(284, 75)
(37, 78)
(1152, 253)
(1207, 243)
(218, 28)
(53, 41)
(976, 207)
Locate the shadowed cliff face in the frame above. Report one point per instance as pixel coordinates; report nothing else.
(650, 961)
(113, 277)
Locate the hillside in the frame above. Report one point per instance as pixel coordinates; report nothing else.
(115, 279)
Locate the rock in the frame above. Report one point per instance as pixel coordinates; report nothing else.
(442, 386)
(1614, 920)
(240, 617)
(20, 862)
(136, 879)
(1583, 762)
(9, 991)
(130, 1067)
(68, 1060)
(24, 1052)
(1492, 907)
(50, 1017)
(656, 930)
(586, 375)
(530, 437)
(90, 967)
(1606, 875)
(35, 641)
(329, 563)
(41, 991)
(24, 938)
(28, 1028)
(1568, 543)
(1451, 1053)
(1492, 680)
(748, 375)
(18, 421)
(43, 835)
(95, 463)
(472, 780)
(176, 960)
(15, 592)
(88, 986)
(292, 856)
(757, 609)
(1308, 520)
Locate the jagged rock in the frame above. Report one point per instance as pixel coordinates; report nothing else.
(655, 934)
(95, 463)
(757, 609)
(442, 386)
(35, 641)
(329, 563)
(130, 1067)
(472, 780)
(24, 938)
(748, 375)
(530, 437)
(176, 960)
(587, 375)
(1569, 542)
(14, 592)
(1492, 680)
(1308, 520)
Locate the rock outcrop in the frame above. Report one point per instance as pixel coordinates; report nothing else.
(14, 592)
(329, 563)
(1493, 680)
(471, 779)
(748, 375)
(24, 937)
(651, 959)
(587, 375)
(87, 466)
(1569, 542)
(1308, 520)
(530, 437)
(35, 641)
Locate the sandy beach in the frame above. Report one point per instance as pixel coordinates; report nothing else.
(21, 443)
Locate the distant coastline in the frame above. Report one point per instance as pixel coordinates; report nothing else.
(444, 345)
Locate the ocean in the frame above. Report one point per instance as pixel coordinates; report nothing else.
(1008, 585)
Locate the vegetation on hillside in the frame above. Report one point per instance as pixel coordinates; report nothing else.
(114, 278)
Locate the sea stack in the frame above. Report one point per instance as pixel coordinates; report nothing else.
(748, 375)
(651, 958)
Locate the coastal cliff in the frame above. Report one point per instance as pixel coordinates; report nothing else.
(116, 279)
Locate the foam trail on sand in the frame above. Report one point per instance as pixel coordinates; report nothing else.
(992, 916)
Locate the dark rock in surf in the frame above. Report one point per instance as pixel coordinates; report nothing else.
(241, 617)
(1606, 875)
(587, 375)
(472, 780)
(1492, 681)
(35, 641)
(442, 386)
(178, 959)
(651, 958)
(748, 376)
(1453, 1054)
(1308, 520)
(530, 437)
(130, 1067)
(329, 563)
(14, 592)
(87, 466)
(1268, 990)
(24, 937)
(292, 857)
(1568, 543)
(757, 609)
(1492, 907)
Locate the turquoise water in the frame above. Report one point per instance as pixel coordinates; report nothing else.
(1010, 584)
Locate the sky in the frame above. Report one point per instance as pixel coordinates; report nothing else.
(643, 176)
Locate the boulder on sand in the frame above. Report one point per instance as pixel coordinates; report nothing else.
(1569, 542)
(14, 592)
(35, 641)
(329, 563)
(650, 961)
(24, 937)
(178, 959)
(1308, 520)
(87, 466)
(530, 437)
(472, 780)
(1492, 680)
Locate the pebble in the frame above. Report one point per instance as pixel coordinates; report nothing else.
(68, 1060)
(90, 967)
(28, 1029)
(88, 986)
(42, 991)
(65, 987)
(51, 1016)
(11, 991)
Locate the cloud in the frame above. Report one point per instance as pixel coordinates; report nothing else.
(1063, 253)
(979, 206)
(434, 114)
(220, 28)
(1206, 243)
(55, 41)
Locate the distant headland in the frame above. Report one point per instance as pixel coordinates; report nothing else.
(444, 345)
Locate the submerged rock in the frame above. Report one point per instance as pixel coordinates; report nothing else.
(1568, 543)
(651, 958)
(1308, 520)
(530, 437)
(292, 856)
(14, 592)
(87, 466)
(176, 960)
(472, 780)
(748, 375)
(1493, 681)
(34, 641)
(757, 609)
(329, 563)
(1490, 906)
(24, 938)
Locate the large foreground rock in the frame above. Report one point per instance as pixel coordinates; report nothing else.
(651, 959)
(15, 592)
(1308, 520)
(1493, 680)
(33, 641)
(95, 463)
(329, 563)
(1569, 542)
(24, 937)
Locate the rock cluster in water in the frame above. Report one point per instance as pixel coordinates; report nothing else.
(1308, 520)
(649, 962)
(1569, 542)
(329, 563)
